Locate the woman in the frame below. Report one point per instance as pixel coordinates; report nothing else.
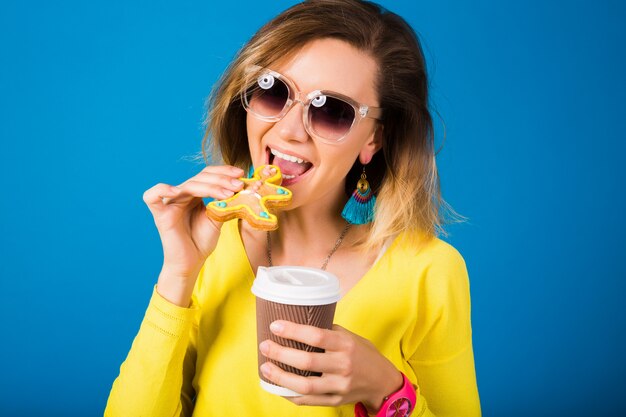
(357, 81)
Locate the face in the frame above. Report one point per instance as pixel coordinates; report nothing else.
(312, 168)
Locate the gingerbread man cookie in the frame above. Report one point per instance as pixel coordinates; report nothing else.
(260, 193)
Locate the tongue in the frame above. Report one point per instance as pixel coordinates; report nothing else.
(291, 168)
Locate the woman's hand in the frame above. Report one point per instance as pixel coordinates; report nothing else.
(352, 368)
(188, 236)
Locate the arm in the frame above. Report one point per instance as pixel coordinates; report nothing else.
(442, 358)
(449, 386)
(155, 379)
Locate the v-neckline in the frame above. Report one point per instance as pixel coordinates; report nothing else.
(379, 260)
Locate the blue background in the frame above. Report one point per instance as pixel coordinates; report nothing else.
(101, 100)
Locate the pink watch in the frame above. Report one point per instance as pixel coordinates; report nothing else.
(398, 404)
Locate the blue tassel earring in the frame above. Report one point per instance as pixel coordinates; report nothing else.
(360, 207)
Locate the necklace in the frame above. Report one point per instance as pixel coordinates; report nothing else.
(332, 251)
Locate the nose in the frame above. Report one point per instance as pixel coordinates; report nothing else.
(291, 126)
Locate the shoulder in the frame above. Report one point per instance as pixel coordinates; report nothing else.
(429, 255)
(432, 269)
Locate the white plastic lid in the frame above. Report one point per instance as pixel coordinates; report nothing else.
(296, 285)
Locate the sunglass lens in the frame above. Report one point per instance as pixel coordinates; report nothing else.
(330, 117)
(267, 96)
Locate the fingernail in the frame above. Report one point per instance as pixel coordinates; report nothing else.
(276, 327)
(236, 183)
(265, 370)
(228, 193)
(264, 347)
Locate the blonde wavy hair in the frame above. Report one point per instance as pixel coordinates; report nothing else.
(404, 173)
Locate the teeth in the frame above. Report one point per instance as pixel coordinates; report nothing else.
(287, 157)
(288, 177)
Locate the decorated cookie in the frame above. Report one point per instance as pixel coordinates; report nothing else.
(254, 202)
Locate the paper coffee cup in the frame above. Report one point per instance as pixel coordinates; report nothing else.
(298, 294)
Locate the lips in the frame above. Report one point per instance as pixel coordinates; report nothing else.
(291, 166)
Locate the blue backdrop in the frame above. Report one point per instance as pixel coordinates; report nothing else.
(101, 100)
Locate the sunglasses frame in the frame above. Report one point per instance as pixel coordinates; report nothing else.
(361, 111)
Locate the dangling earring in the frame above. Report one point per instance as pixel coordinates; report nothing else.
(360, 207)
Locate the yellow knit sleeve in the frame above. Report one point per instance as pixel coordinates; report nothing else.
(155, 379)
(440, 348)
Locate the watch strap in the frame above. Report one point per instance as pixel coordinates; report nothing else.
(399, 404)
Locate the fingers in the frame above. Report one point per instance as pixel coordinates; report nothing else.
(223, 180)
(333, 363)
(268, 171)
(310, 386)
(349, 365)
(328, 400)
(307, 361)
(219, 187)
(300, 384)
(215, 181)
(156, 194)
(224, 169)
(329, 340)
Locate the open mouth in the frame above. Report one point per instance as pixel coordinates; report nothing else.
(291, 166)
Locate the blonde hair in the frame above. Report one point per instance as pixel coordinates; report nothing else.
(404, 173)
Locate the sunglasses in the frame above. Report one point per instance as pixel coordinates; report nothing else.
(327, 115)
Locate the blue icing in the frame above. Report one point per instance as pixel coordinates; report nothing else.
(220, 204)
(264, 214)
(282, 191)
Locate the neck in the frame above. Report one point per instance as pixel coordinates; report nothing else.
(315, 218)
(307, 234)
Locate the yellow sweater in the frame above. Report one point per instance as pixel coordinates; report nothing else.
(202, 361)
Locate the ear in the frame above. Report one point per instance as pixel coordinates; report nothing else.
(373, 145)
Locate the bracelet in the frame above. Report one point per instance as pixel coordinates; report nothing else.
(399, 404)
